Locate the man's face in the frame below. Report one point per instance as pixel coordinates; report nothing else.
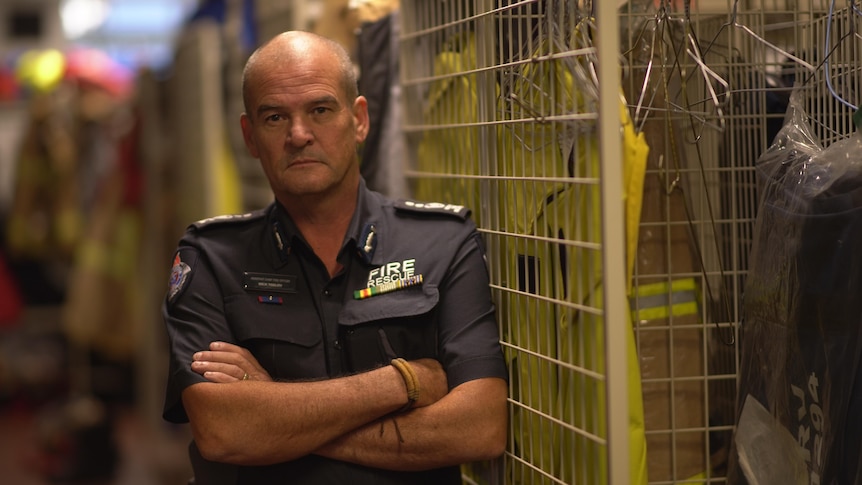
(303, 128)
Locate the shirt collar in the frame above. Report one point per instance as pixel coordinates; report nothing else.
(362, 239)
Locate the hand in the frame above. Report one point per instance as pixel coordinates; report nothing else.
(225, 362)
(433, 384)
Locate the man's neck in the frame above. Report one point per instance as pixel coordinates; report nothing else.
(323, 222)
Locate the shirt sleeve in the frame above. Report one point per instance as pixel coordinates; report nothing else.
(469, 335)
(193, 313)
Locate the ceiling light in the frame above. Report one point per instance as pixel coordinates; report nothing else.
(80, 17)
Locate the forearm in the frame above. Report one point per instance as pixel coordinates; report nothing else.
(256, 423)
(469, 424)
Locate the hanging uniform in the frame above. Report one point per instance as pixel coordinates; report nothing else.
(47, 209)
(383, 156)
(551, 212)
(452, 148)
(800, 387)
(667, 306)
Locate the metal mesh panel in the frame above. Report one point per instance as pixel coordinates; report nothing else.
(502, 114)
(714, 90)
(501, 106)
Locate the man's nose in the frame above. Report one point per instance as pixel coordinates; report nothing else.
(299, 133)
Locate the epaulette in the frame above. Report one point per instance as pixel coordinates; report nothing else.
(227, 219)
(415, 207)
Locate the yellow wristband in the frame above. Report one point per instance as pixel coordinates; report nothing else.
(410, 380)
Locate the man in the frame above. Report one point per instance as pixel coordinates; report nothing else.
(335, 336)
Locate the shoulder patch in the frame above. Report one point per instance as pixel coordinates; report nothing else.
(228, 218)
(181, 272)
(433, 208)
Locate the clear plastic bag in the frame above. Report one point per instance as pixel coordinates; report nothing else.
(801, 335)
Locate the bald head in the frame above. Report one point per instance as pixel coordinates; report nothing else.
(287, 46)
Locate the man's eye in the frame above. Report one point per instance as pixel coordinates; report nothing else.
(320, 110)
(274, 118)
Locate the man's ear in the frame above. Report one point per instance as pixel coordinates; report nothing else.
(247, 135)
(360, 115)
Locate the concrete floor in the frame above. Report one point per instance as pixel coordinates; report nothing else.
(147, 456)
(34, 414)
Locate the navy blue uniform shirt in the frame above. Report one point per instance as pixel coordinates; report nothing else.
(252, 280)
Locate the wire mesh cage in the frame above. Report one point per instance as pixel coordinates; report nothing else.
(502, 112)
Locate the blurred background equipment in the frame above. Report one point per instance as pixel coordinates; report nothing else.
(119, 126)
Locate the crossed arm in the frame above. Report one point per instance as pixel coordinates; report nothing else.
(259, 421)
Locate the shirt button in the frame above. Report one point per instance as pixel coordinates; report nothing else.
(337, 344)
(326, 292)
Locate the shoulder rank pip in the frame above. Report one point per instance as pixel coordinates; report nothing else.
(433, 208)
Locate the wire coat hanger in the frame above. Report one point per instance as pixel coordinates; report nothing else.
(663, 46)
(668, 52)
(733, 22)
(827, 54)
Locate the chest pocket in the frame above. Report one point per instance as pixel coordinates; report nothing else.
(378, 329)
(285, 338)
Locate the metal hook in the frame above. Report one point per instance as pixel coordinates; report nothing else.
(827, 54)
(732, 22)
(728, 338)
(716, 87)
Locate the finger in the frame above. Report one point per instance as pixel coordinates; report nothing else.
(207, 366)
(219, 346)
(229, 354)
(219, 377)
(224, 357)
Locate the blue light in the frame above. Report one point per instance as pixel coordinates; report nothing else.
(139, 33)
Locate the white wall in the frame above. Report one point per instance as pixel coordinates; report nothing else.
(52, 31)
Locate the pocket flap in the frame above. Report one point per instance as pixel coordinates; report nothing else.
(288, 320)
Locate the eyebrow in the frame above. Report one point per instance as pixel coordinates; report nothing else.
(264, 108)
(326, 99)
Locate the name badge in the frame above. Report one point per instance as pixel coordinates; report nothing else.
(269, 282)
